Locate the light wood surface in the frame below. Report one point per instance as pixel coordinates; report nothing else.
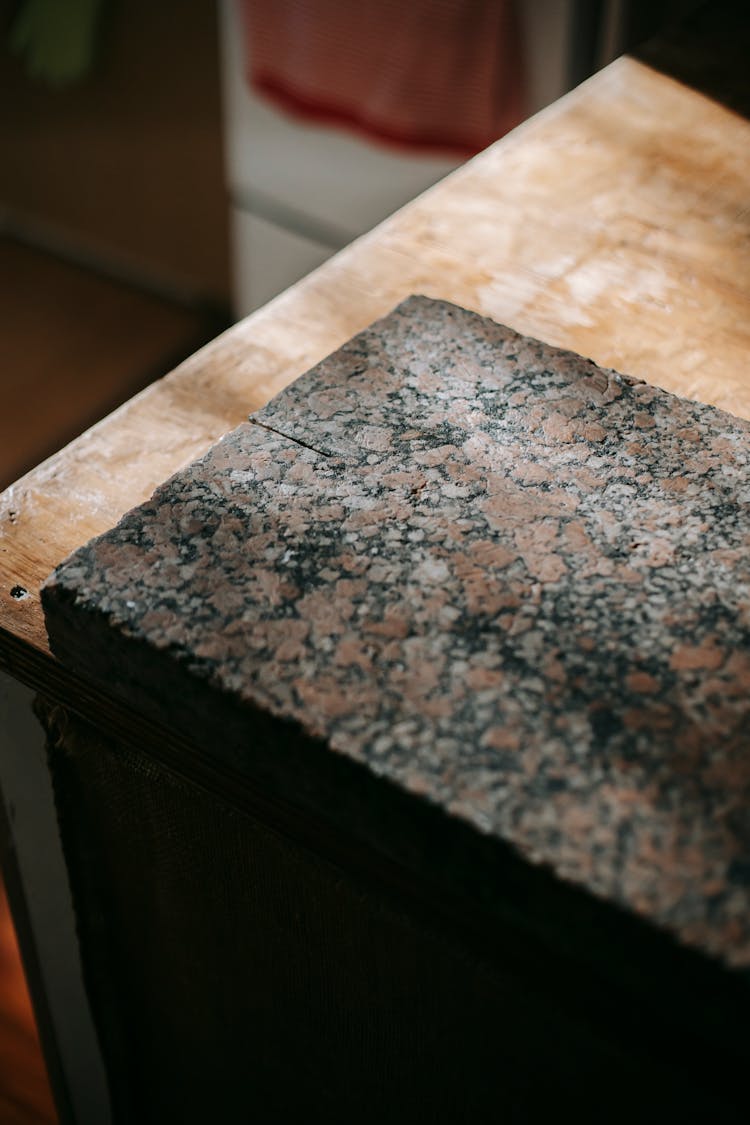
(615, 223)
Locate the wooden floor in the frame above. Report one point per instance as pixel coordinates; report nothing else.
(73, 345)
(25, 1095)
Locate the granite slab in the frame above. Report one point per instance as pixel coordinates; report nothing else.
(482, 572)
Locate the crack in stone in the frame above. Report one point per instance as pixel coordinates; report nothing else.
(296, 440)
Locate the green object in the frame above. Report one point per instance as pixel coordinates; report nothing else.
(56, 39)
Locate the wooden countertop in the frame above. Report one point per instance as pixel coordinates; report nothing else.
(615, 223)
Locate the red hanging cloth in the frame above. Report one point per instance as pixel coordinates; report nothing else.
(426, 74)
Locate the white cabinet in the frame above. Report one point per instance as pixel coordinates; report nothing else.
(299, 192)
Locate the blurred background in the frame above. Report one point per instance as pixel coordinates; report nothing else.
(114, 259)
(162, 174)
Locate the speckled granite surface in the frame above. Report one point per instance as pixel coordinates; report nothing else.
(510, 582)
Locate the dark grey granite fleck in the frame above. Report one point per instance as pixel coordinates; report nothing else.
(512, 583)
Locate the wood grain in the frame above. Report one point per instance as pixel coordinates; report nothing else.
(614, 223)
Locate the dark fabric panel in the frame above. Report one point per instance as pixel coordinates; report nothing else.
(235, 977)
